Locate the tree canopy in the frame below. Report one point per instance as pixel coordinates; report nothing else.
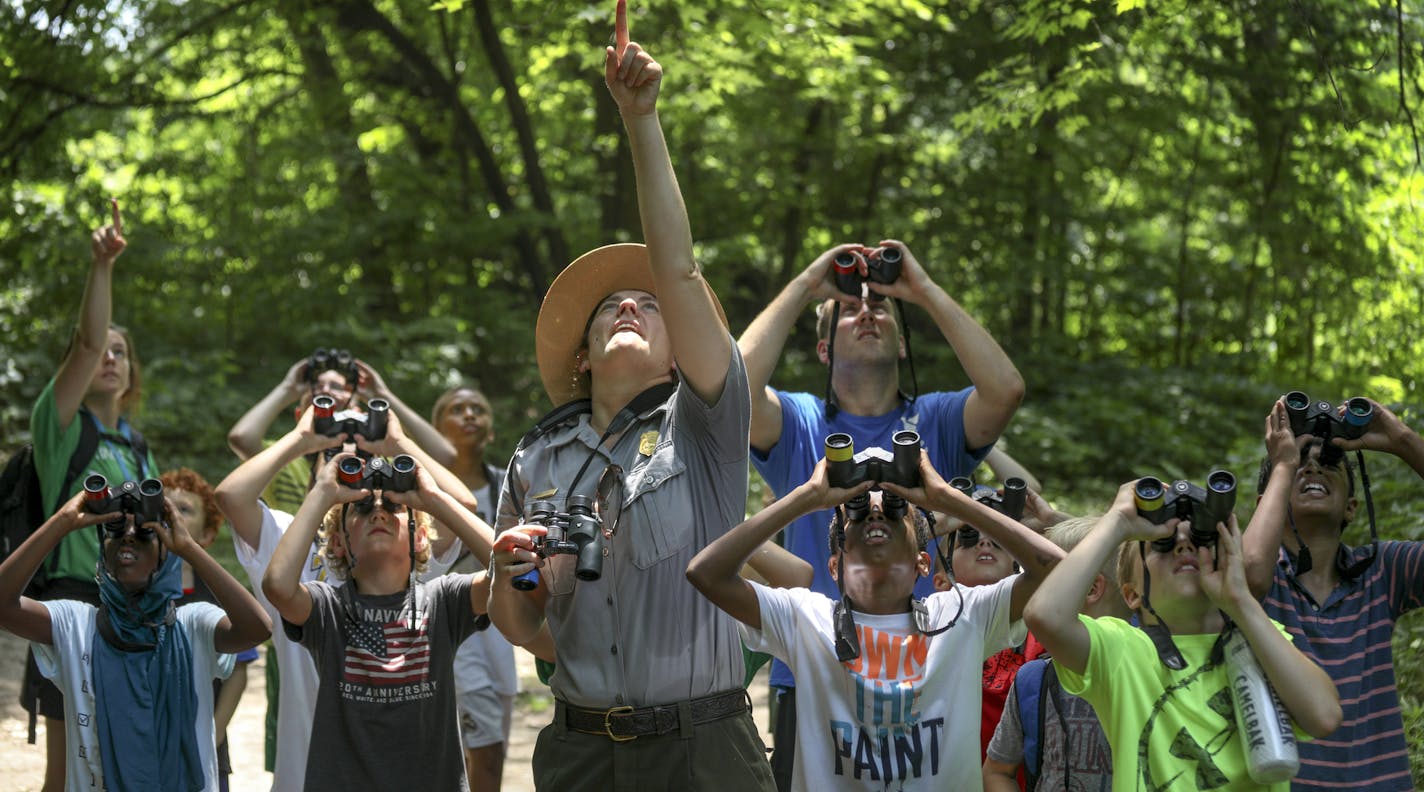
(1168, 213)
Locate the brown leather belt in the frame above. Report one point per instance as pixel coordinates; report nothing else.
(626, 723)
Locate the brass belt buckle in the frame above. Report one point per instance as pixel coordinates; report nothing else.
(607, 727)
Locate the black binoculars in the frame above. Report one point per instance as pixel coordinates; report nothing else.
(397, 475)
(882, 265)
(332, 359)
(329, 423)
(1185, 500)
(845, 468)
(574, 532)
(1325, 421)
(1010, 504)
(142, 499)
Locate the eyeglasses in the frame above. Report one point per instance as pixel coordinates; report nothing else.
(610, 498)
(367, 505)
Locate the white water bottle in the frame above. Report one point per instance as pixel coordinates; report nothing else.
(1262, 721)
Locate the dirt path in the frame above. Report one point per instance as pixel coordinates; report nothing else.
(22, 765)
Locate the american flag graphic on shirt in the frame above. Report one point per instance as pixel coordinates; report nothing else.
(393, 653)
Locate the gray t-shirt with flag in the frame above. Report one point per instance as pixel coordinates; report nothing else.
(385, 709)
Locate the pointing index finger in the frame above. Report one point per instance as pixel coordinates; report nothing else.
(118, 221)
(620, 29)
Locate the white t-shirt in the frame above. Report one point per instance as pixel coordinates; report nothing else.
(66, 662)
(296, 698)
(905, 714)
(485, 659)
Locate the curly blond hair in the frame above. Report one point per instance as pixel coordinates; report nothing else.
(336, 561)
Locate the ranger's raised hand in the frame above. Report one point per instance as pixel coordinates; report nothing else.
(633, 77)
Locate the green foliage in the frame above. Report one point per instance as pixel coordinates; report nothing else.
(1167, 213)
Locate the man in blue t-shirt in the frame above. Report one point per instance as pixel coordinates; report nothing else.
(789, 429)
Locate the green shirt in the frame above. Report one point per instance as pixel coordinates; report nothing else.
(288, 488)
(1185, 739)
(78, 552)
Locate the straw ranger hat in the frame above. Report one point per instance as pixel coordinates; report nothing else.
(563, 320)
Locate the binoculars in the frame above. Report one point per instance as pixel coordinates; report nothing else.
(1010, 504)
(397, 475)
(845, 468)
(882, 265)
(142, 499)
(332, 359)
(371, 425)
(575, 532)
(1325, 421)
(1204, 507)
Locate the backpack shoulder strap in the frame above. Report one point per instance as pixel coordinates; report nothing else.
(1054, 689)
(1029, 687)
(140, 449)
(80, 459)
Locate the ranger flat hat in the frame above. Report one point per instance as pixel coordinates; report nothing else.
(559, 333)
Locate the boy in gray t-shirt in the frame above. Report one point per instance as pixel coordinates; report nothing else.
(383, 645)
(388, 685)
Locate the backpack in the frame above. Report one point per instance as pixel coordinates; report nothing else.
(22, 507)
(1033, 679)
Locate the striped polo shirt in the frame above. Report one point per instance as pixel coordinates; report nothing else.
(1349, 636)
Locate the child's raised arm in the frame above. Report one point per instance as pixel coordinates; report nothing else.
(1034, 553)
(716, 570)
(238, 494)
(245, 624)
(282, 582)
(1052, 612)
(1261, 543)
(778, 567)
(27, 618)
(1307, 692)
(431, 498)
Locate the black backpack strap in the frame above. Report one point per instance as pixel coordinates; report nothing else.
(80, 459)
(140, 449)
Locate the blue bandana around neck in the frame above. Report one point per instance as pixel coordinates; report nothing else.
(145, 703)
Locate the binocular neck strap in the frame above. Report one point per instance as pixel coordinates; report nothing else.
(1358, 568)
(1302, 561)
(922, 615)
(909, 355)
(833, 405)
(640, 404)
(1160, 634)
(346, 540)
(847, 636)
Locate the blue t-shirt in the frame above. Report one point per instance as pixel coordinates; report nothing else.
(938, 417)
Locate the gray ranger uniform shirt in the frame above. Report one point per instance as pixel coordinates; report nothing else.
(641, 634)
